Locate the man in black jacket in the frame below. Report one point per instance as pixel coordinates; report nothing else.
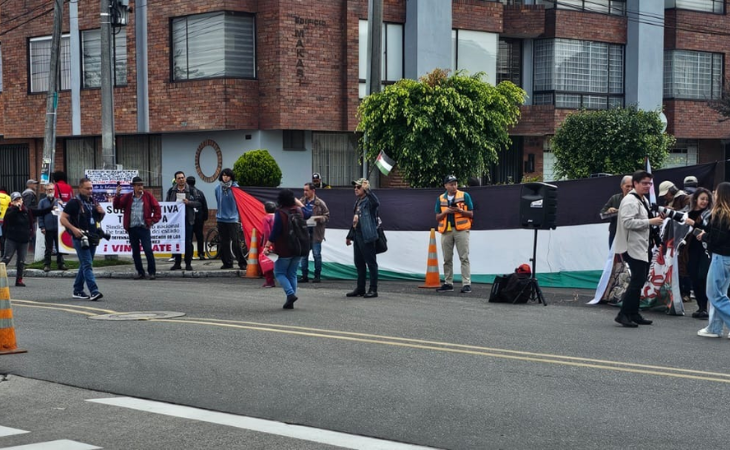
(201, 215)
(182, 193)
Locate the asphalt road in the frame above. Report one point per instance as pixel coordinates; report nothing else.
(413, 366)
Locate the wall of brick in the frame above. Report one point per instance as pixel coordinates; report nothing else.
(524, 21)
(694, 120)
(561, 23)
(477, 15)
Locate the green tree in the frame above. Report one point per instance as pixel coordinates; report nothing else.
(440, 125)
(611, 141)
(257, 168)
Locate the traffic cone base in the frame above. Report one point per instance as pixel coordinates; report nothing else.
(432, 267)
(7, 330)
(252, 264)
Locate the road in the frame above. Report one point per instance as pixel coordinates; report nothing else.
(445, 371)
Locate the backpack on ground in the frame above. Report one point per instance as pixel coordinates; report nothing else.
(297, 233)
(512, 288)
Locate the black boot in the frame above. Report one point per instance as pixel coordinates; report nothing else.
(624, 320)
(290, 299)
(637, 319)
(372, 293)
(356, 293)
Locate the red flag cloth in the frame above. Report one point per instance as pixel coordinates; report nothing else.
(251, 211)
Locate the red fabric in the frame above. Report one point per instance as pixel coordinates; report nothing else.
(150, 208)
(251, 212)
(64, 191)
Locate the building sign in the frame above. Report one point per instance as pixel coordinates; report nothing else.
(301, 24)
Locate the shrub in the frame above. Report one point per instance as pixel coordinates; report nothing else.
(257, 168)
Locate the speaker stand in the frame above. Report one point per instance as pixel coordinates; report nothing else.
(535, 291)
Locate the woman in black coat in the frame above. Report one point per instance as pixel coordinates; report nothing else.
(17, 229)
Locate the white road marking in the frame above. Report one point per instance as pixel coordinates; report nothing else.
(304, 433)
(5, 431)
(62, 444)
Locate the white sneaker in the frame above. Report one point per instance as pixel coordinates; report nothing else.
(706, 333)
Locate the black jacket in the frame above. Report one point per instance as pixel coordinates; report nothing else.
(18, 224)
(716, 235)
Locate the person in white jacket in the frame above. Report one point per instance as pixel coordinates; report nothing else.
(633, 244)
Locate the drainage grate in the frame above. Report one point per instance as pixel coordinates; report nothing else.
(139, 315)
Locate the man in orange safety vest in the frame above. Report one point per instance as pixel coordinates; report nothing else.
(454, 214)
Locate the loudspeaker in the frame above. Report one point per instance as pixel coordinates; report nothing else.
(539, 206)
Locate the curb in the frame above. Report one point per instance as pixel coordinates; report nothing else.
(37, 273)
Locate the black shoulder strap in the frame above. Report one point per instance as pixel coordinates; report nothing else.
(646, 207)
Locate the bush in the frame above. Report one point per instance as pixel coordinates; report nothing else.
(257, 168)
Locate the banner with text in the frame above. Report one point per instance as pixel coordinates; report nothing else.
(168, 235)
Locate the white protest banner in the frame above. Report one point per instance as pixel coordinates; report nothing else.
(168, 235)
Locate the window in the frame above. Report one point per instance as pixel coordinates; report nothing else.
(216, 45)
(392, 57)
(614, 7)
(711, 6)
(143, 153)
(509, 61)
(692, 75)
(294, 140)
(91, 54)
(683, 154)
(40, 61)
(578, 74)
(82, 154)
(335, 156)
(474, 51)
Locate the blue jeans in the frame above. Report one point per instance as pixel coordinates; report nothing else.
(718, 281)
(285, 271)
(86, 272)
(317, 253)
(137, 236)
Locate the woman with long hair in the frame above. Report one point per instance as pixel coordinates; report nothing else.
(717, 236)
(698, 259)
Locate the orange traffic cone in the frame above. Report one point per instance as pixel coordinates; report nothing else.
(252, 264)
(432, 268)
(7, 331)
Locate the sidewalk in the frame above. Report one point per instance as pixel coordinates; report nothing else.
(209, 268)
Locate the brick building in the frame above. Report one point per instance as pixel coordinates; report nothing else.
(199, 83)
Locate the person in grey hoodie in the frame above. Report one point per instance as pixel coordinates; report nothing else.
(228, 221)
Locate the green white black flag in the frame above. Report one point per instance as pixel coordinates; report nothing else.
(384, 163)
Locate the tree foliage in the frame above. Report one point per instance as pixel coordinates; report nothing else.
(610, 141)
(257, 168)
(440, 125)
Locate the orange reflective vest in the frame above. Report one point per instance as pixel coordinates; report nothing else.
(462, 222)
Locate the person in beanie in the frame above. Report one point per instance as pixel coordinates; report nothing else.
(48, 225)
(229, 223)
(17, 231)
(141, 211)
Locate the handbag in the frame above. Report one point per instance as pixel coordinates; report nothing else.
(381, 245)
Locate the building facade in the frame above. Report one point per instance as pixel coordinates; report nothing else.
(199, 83)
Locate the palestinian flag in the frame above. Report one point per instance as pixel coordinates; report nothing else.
(384, 163)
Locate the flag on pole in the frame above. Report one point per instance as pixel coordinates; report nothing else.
(384, 163)
(652, 194)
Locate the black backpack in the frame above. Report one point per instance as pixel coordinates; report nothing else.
(297, 233)
(512, 288)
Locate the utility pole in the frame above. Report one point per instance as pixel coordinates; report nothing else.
(375, 50)
(108, 150)
(49, 137)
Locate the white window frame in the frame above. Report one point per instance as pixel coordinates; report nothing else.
(613, 7)
(393, 65)
(475, 51)
(686, 75)
(91, 63)
(217, 45)
(38, 68)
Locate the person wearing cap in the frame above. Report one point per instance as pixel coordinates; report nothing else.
(316, 226)
(48, 224)
(363, 234)
(17, 229)
(140, 212)
(690, 184)
(201, 215)
(318, 183)
(30, 198)
(454, 214)
(667, 191)
(611, 207)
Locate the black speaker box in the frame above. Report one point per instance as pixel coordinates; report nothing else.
(539, 206)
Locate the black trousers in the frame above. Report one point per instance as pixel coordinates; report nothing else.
(228, 233)
(51, 243)
(198, 233)
(632, 296)
(365, 259)
(188, 246)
